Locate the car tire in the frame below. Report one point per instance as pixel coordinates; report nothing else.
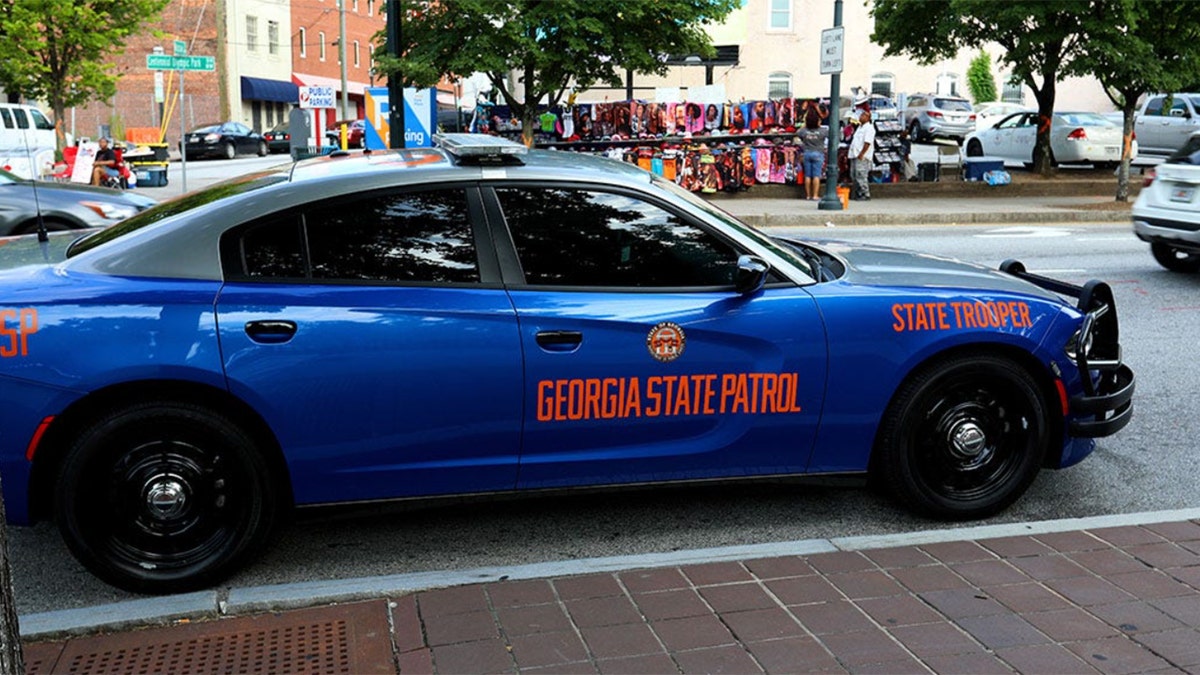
(974, 148)
(230, 151)
(1175, 259)
(263, 149)
(914, 132)
(163, 497)
(963, 438)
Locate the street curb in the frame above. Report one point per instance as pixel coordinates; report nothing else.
(60, 624)
(849, 218)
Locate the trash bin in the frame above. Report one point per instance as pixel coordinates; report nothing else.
(150, 174)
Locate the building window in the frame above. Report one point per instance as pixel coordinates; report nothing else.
(356, 62)
(272, 37)
(321, 37)
(370, 7)
(251, 33)
(781, 14)
(779, 85)
(303, 43)
(947, 84)
(356, 6)
(883, 84)
(1013, 92)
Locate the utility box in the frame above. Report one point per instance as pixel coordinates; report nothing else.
(300, 129)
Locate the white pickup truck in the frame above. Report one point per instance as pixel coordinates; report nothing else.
(1165, 122)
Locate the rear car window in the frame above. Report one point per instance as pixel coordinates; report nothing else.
(951, 104)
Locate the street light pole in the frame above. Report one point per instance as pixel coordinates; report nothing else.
(342, 57)
(830, 201)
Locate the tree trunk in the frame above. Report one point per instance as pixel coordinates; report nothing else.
(1043, 155)
(1126, 150)
(12, 660)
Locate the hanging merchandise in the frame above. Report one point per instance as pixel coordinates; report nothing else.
(762, 161)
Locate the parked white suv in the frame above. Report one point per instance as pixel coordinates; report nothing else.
(1167, 211)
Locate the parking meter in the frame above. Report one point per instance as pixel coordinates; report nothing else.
(300, 130)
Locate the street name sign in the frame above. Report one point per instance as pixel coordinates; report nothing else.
(180, 48)
(166, 62)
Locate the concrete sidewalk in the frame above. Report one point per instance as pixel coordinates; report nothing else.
(1110, 594)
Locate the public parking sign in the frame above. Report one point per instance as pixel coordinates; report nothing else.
(317, 97)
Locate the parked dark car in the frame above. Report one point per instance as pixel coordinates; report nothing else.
(279, 138)
(226, 139)
(355, 133)
(64, 206)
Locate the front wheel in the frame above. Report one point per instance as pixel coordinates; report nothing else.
(914, 131)
(230, 151)
(1175, 259)
(163, 497)
(964, 438)
(974, 148)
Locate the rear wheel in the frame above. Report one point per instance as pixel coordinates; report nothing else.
(963, 438)
(263, 149)
(1175, 259)
(163, 497)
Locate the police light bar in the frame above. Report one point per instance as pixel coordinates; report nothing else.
(480, 148)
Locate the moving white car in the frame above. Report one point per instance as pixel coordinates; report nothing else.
(1167, 211)
(1075, 138)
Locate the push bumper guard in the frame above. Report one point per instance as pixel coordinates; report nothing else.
(1106, 404)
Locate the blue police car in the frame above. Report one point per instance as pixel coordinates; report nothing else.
(476, 319)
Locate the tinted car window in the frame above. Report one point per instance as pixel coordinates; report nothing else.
(40, 121)
(274, 250)
(570, 237)
(951, 104)
(1155, 106)
(22, 120)
(1188, 154)
(6, 115)
(398, 237)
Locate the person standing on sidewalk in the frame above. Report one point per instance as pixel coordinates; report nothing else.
(861, 148)
(813, 137)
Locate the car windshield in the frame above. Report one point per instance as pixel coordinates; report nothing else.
(1188, 154)
(183, 204)
(728, 219)
(951, 104)
(1084, 119)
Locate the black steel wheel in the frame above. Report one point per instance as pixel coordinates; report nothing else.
(963, 438)
(1175, 259)
(163, 498)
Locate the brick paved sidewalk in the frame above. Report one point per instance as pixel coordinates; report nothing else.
(1109, 600)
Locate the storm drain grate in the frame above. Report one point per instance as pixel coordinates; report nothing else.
(314, 648)
(353, 638)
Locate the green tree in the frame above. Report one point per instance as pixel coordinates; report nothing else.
(551, 45)
(980, 81)
(60, 51)
(1155, 48)
(1040, 40)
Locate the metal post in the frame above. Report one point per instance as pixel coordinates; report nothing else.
(395, 82)
(628, 84)
(830, 201)
(182, 133)
(342, 57)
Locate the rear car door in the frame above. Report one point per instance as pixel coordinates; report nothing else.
(642, 363)
(372, 334)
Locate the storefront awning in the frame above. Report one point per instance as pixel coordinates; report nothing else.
(261, 89)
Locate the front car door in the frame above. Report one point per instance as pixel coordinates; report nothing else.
(642, 363)
(374, 338)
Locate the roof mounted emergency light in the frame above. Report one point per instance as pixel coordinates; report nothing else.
(481, 148)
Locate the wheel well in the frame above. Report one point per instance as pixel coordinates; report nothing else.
(1039, 372)
(66, 425)
(30, 226)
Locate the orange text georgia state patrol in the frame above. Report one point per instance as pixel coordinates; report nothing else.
(667, 396)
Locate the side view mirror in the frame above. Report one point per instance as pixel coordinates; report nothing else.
(1177, 112)
(751, 274)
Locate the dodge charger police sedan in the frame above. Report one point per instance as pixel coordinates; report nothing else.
(478, 319)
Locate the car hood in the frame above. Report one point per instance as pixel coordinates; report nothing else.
(870, 265)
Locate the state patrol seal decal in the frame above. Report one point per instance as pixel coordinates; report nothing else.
(666, 341)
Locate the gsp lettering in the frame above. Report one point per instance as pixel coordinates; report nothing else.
(667, 396)
(15, 328)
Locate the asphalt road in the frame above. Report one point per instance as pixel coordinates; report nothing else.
(1148, 466)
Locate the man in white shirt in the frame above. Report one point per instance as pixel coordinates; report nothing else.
(861, 150)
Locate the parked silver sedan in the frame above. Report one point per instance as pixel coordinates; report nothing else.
(1075, 138)
(63, 206)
